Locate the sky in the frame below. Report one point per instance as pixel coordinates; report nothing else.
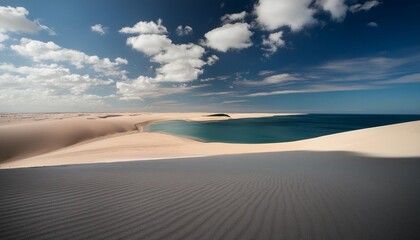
(310, 56)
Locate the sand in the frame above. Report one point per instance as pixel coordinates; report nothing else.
(360, 184)
(50, 140)
(291, 195)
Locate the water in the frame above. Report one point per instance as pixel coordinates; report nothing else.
(276, 129)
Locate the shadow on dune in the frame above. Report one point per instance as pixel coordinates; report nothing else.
(290, 195)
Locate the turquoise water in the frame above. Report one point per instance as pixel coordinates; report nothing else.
(276, 129)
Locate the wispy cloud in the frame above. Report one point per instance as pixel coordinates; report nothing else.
(372, 24)
(139, 89)
(366, 6)
(409, 78)
(235, 101)
(218, 78)
(215, 93)
(265, 72)
(341, 75)
(274, 79)
(313, 89)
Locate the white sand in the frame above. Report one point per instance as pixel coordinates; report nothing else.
(96, 138)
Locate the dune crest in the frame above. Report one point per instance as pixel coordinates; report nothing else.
(92, 139)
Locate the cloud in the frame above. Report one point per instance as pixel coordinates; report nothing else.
(235, 17)
(149, 44)
(370, 70)
(212, 60)
(49, 51)
(3, 37)
(275, 79)
(178, 63)
(14, 19)
(309, 89)
(235, 101)
(364, 65)
(146, 28)
(372, 24)
(53, 78)
(98, 28)
(143, 87)
(229, 36)
(44, 100)
(215, 94)
(273, 14)
(219, 78)
(265, 72)
(365, 6)
(409, 78)
(272, 43)
(183, 31)
(337, 8)
(135, 89)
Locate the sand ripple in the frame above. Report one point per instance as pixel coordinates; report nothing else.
(295, 195)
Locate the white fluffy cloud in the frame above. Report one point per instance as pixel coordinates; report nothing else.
(14, 19)
(337, 8)
(136, 89)
(48, 87)
(49, 51)
(366, 6)
(52, 78)
(229, 36)
(149, 44)
(235, 17)
(178, 63)
(272, 43)
(145, 28)
(273, 14)
(183, 31)
(98, 28)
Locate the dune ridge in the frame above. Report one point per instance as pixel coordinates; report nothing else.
(28, 135)
(92, 138)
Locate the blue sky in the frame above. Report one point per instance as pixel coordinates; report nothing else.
(316, 56)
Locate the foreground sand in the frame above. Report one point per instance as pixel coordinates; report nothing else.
(291, 195)
(91, 138)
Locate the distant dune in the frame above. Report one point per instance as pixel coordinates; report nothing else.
(293, 195)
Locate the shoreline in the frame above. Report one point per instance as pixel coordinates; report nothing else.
(126, 138)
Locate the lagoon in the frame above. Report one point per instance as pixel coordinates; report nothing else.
(276, 129)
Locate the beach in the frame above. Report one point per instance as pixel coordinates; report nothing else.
(63, 139)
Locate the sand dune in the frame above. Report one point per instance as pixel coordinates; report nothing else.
(27, 135)
(294, 195)
(109, 138)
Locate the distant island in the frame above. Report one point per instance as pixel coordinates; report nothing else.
(218, 115)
